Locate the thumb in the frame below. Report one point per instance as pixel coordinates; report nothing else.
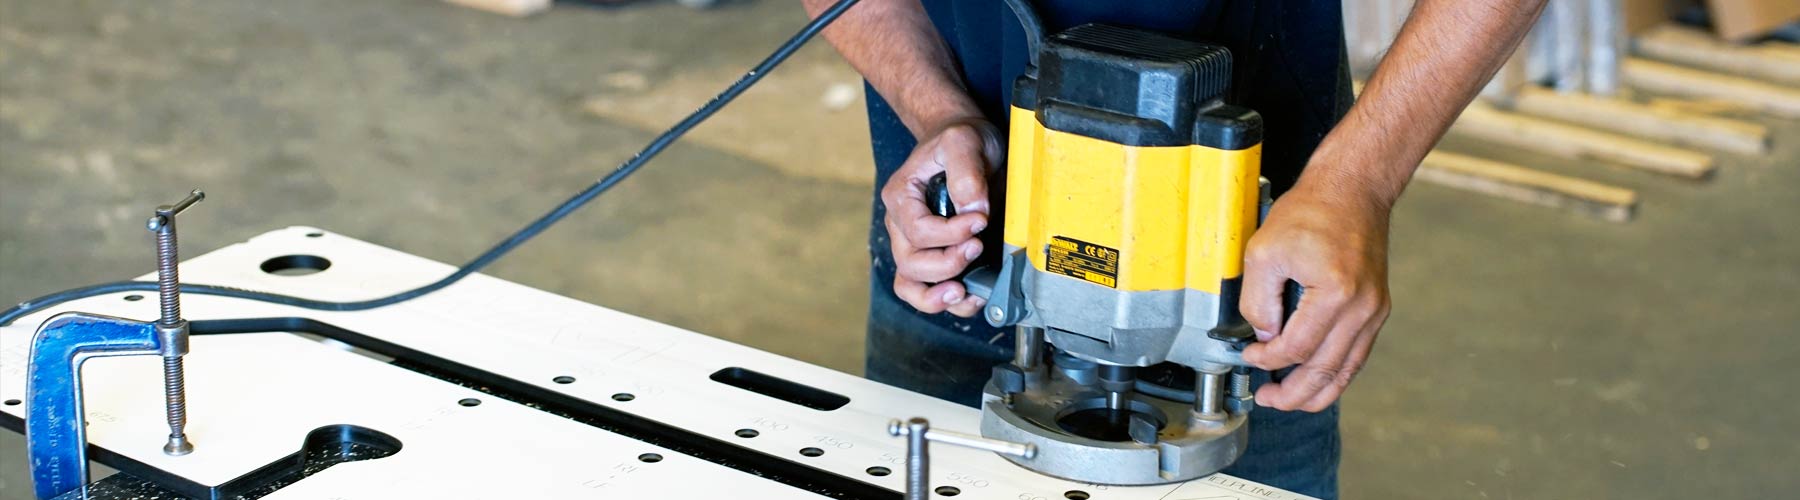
(962, 152)
(993, 144)
(1261, 303)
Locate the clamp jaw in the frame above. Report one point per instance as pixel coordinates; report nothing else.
(55, 423)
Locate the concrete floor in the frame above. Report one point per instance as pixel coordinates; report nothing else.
(1531, 354)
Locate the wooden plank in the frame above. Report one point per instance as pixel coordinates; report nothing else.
(1765, 97)
(1482, 121)
(1513, 182)
(1692, 47)
(1661, 124)
(515, 8)
(1780, 48)
(1707, 107)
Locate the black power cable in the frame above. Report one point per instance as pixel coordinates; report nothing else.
(1034, 30)
(498, 250)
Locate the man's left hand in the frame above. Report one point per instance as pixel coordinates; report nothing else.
(1332, 239)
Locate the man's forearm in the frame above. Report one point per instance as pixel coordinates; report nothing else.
(893, 44)
(1443, 55)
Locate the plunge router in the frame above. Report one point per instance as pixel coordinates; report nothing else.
(1131, 189)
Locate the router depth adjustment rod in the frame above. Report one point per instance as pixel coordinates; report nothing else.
(919, 435)
(171, 328)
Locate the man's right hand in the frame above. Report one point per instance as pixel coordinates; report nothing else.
(931, 251)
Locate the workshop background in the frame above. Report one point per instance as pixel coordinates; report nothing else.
(1626, 332)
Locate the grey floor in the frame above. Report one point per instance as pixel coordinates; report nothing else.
(1531, 354)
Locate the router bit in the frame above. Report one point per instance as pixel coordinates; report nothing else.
(170, 326)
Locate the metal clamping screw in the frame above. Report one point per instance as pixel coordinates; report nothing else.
(170, 326)
(919, 435)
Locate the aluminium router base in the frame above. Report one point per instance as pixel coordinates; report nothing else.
(1168, 443)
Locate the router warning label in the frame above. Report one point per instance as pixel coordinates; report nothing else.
(1082, 260)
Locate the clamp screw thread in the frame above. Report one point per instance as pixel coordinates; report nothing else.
(175, 394)
(168, 289)
(168, 281)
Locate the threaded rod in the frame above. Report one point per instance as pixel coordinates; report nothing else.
(168, 289)
(168, 279)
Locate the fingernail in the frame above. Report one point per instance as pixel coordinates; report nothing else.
(978, 226)
(951, 297)
(1264, 336)
(971, 250)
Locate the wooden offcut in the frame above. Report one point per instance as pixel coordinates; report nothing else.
(1482, 121)
(1770, 98)
(1513, 182)
(1773, 62)
(1660, 124)
(515, 8)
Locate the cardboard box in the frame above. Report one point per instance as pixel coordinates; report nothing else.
(1740, 20)
(1641, 15)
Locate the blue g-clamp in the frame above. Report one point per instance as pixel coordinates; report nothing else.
(55, 424)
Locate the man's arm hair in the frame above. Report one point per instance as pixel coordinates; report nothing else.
(896, 48)
(1443, 55)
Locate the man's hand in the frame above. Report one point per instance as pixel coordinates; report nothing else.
(930, 251)
(1333, 241)
(897, 49)
(1329, 233)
